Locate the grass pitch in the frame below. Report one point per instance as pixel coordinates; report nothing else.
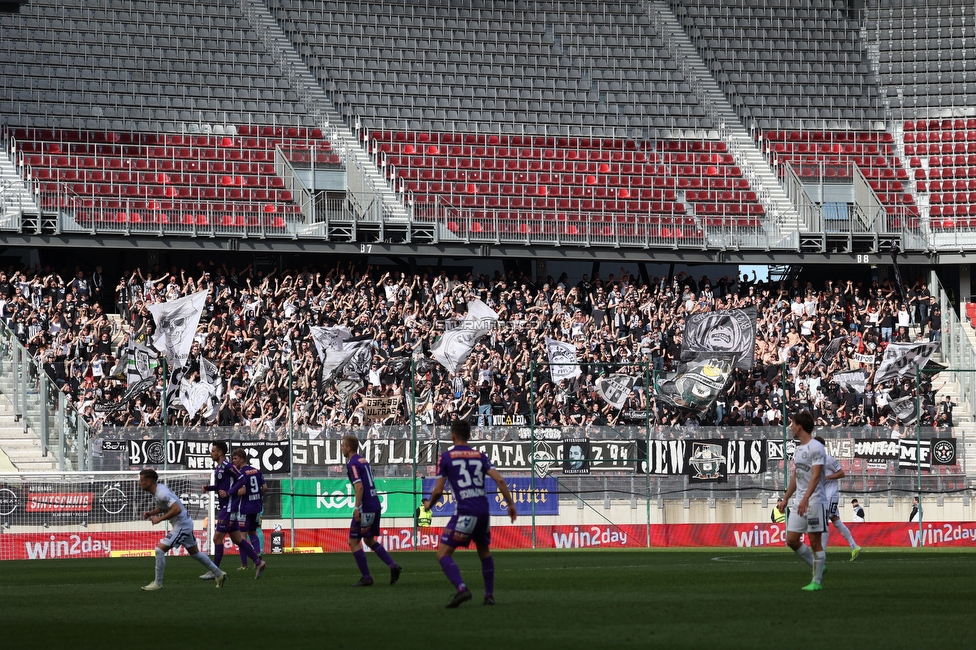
(715, 598)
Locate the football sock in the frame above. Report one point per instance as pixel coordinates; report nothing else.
(202, 559)
(805, 554)
(240, 552)
(819, 560)
(823, 539)
(382, 554)
(846, 532)
(488, 571)
(248, 550)
(160, 565)
(255, 541)
(452, 572)
(360, 556)
(218, 554)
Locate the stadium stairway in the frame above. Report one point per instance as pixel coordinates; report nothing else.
(14, 196)
(20, 450)
(351, 149)
(747, 155)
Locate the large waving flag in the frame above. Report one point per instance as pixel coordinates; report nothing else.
(176, 323)
(454, 346)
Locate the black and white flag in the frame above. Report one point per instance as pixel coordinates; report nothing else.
(133, 391)
(136, 362)
(176, 323)
(901, 359)
(352, 360)
(204, 394)
(563, 363)
(615, 389)
(328, 338)
(855, 380)
(832, 350)
(454, 346)
(697, 383)
(904, 409)
(731, 331)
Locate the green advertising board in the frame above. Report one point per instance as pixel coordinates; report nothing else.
(333, 498)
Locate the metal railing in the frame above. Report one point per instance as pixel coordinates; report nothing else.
(40, 404)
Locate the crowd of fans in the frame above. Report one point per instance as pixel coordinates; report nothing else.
(618, 324)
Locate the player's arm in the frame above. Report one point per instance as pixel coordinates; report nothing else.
(239, 486)
(836, 475)
(174, 509)
(357, 488)
(503, 488)
(437, 492)
(786, 497)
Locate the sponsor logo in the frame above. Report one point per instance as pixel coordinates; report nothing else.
(60, 502)
(590, 537)
(760, 536)
(940, 534)
(8, 502)
(113, 500)
(66, 547)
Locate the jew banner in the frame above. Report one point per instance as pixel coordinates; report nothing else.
(728, 331)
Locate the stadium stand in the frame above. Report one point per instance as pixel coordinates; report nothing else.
(786, 65)
(197, 183)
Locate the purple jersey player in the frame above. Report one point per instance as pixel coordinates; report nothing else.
(246, 505)
(225, 474)
(466, 469)
(365, 524)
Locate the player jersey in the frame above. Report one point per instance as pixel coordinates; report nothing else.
(465, 469)
(831, 489)
(165, 498)
(359, 471)
(252, 481)
(223, 477)
(804, 459)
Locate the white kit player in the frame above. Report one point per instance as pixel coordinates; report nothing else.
(833, 472)
(809, 512)
(170, 508)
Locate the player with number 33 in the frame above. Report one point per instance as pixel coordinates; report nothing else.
(466, 469)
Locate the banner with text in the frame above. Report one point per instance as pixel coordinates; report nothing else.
(546, 496)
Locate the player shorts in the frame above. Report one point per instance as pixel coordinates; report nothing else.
(222, 523)
(814, 521)
(464, 529)
(832, 510)
(180, 535)
(367, 526)
(244, 522)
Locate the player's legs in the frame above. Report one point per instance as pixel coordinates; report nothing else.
(487, 571)
(795, 527)
(245, 546)
(844, 531)
(157, 582)
(358, 554)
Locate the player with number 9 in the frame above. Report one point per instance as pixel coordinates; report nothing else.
(466, 469)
